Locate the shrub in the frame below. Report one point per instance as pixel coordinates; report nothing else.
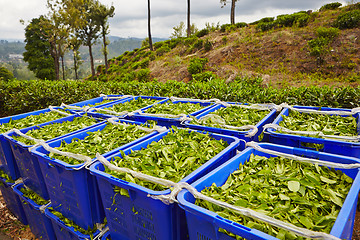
(5, 74)
(208, 45)
(202, 33)
(330, 6)
(204, 77)
(198, 44)
(162, 50)
(158, 45)
(190, 40)
(265, 26)
(348, 20)
(174, 42)
(241, 24)
(227, 27)
(302, 20)
(143, 75)
(328, 33)
(286, 20)
(263, 20)
(144, 63)
(197, 65)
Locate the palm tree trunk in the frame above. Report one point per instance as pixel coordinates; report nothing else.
(149, 28)
(232, 20)
(188, 20)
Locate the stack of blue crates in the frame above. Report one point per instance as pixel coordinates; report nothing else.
(86, 194)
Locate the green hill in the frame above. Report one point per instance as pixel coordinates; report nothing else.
(304, 48)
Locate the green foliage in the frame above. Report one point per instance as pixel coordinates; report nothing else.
(23, 96)
(173, 157)
(208, 45)
(30, 194)
(101, 141)
(198, 44)
(227, 27)
(283, 189)
(162, 50)
(197, 65)
(265, 26)
(204, 76)
(190, 40)
(143, 75)
(348, 20)
(330, 6)
(241, 24)
(320, 46)
(202, 33)
(174, 108)
(328, 124)
(7, 178)
(300, 19)
(5, 74)
(38, 49)
(263, 20)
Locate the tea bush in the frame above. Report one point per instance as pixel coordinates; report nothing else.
(197, 65)
(348, 20)
(330, 6)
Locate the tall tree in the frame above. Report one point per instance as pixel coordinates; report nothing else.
(149, 28)
(188, 19)
(38, 48)
(75, 44)
(232, 13)
(102, 14)
(89, 32)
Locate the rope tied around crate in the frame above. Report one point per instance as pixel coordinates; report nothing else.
(154, 128)
(52, 108)
(177, 187)
(219, 120)
(107, 97)
(182, 117)
(312, 133)
(336, 112)
(257, 147)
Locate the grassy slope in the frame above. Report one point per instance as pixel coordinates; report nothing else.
(280, 56)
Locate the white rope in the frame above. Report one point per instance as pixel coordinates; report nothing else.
(335, 112)
(106, 97)
(84, 108)
(171, 198)
(312, 133)
(61, 112)
(219, 120)
(182, 117)
(155, 128)
(257, 147)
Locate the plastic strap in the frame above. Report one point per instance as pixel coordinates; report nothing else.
(84, 108)
(101, 234)
(303, 159)
(183, 117)
(55, 110)
(216, 118)
(43, 207)
(319, 133)
(18, 181)
(106, 97)
(352, 112)
(155, 128)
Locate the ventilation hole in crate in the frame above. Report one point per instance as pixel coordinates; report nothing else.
(202, 237)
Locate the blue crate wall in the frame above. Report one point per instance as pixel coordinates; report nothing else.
(39, 224)
(141, 217)
(28, 165)
(72, 190)
(351, 149)
(65, 232)
(7, 161)
(12, 201)
(204, 223)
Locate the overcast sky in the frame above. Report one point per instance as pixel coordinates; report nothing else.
(130, 18)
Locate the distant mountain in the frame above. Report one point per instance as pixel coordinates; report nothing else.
(117, 46)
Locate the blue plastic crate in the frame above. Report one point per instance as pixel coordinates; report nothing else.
(98, 101)
(27, 164)
(97, 114)
(168, 122)
(39, 224)
(204, 224)
(239, 134)
(106, 236)
(351, 149)
(72, 190)
(12, 201)
(65, 232)
(141, 217)
(7, 162)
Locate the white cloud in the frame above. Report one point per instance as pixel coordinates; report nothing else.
(131, 18)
